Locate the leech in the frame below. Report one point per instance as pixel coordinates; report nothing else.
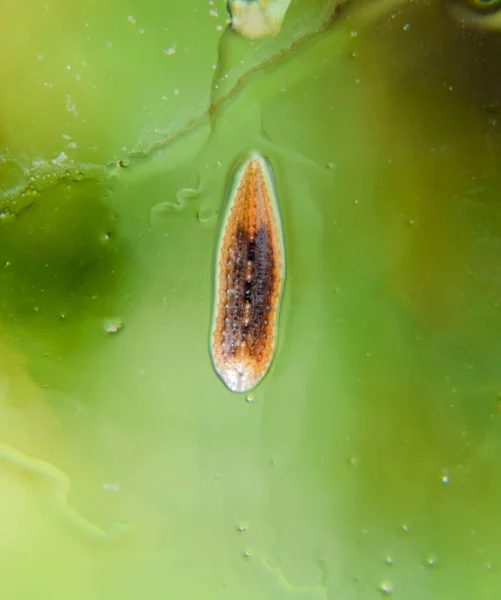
(250, 274)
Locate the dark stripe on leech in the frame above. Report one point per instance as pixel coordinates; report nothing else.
(251, 296)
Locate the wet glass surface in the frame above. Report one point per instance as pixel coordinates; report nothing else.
(366, 462)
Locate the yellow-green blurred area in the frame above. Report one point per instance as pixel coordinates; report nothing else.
(367, 463)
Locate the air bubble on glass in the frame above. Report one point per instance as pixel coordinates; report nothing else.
(431, 560)
(386, 588)
(111, 487)
(113, 325)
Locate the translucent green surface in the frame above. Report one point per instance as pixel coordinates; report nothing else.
(367, 462)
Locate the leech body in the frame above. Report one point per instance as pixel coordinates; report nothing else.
(250, 274)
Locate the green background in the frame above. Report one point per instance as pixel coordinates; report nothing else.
(367, 462)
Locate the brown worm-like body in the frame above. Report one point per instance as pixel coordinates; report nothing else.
(250, 274)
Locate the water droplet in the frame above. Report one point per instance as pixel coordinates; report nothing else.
(406, 27)
(249, 399)
(247, 554)
(331, 165)
(389, 561)
(113, 325)
(405, 527)
(131, 19)
(431, 561)
(445, 477)
(386, 588)
(170, 50)
(242, 528)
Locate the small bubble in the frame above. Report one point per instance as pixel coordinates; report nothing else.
(389, 561)
(386, 588)
(36, 308)
(247, 554)
(249, 399)
(213, 12)
(62, 316)
(406, 27)
(405, 527)
(242, 528)
(445, 477)
(114, 325)
(170, 50)
(331, 165)
(39, 56)
(131, 19)
(431, 561)
(108, 44)
(353, 33)
(111, 487)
